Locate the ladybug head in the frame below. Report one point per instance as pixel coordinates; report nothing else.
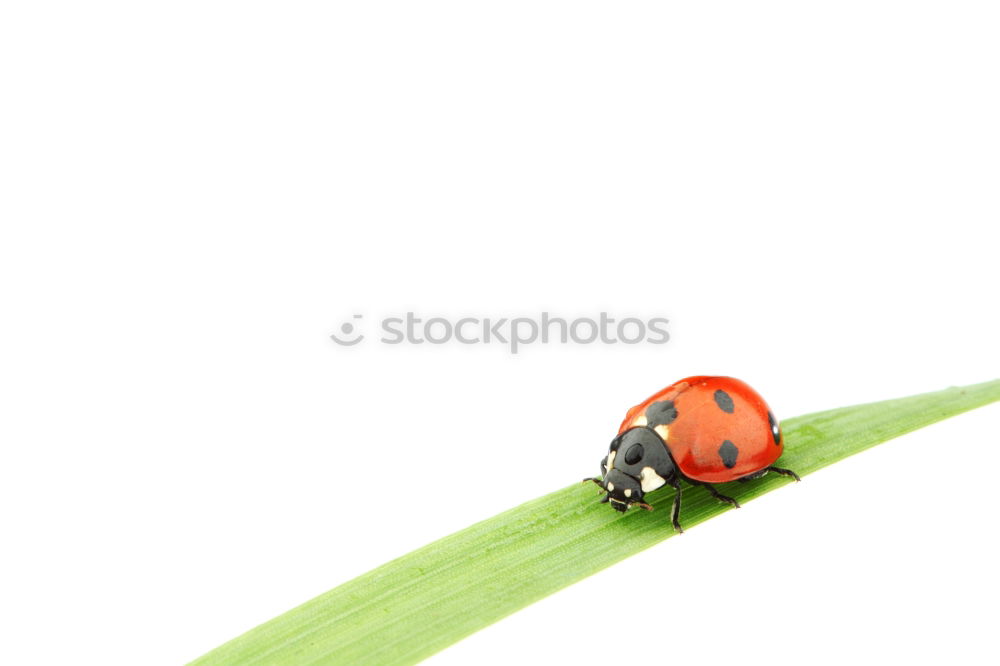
(623, 491)
(638, 462)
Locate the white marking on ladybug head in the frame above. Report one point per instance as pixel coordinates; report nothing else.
(662, 431)
(628, 492)
(611, 459)
(640, 421)
(649, 480)
(611, 487)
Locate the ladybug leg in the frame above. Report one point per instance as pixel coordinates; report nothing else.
(719, 496)
(675, 513)
(784, 472)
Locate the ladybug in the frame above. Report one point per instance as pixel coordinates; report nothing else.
(703, 430)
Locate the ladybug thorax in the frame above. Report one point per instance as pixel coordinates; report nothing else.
(638, 462)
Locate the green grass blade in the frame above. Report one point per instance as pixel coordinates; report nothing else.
(423, 602)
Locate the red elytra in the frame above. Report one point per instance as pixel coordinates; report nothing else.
(711, 411)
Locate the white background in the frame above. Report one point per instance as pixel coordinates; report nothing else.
(196, 194)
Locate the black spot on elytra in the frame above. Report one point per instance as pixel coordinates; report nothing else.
(661, 413)
(728, 453)
(724, 401)
(634, 454)
(775, 429)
